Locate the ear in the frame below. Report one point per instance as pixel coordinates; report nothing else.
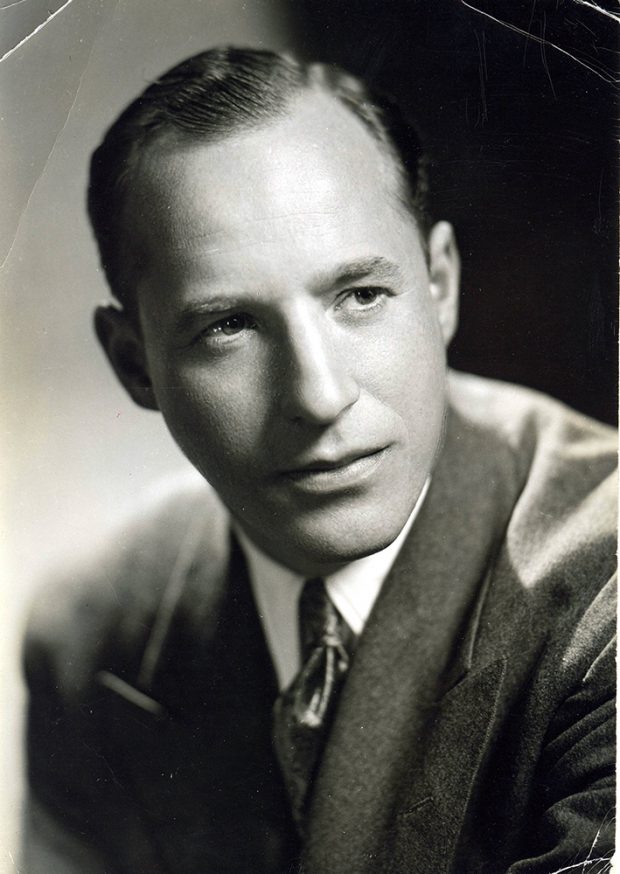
(445, 274)
(122, 343)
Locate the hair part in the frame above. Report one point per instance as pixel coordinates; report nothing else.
(212, 95)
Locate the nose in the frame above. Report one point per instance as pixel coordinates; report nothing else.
(317, 382)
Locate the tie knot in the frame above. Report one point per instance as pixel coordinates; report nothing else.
(320, 624)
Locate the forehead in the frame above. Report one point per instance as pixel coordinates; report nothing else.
(312, 174)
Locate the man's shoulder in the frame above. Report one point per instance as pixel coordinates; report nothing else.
(555, 453)
(98, 611)
(559, 466)
(526, 418)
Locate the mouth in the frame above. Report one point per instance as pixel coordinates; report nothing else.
(324, 475)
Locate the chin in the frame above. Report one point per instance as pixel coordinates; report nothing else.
(322, 546)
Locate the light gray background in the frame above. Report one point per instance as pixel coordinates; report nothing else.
(76, 454)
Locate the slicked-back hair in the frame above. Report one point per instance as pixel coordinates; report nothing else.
(213, 95)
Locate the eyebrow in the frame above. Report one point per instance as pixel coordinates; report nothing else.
(214, 306)
(376, 266)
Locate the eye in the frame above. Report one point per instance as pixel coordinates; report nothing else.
(366, 296)
(361, 299)
(229, 326)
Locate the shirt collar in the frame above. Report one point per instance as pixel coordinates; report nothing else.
(353, 589)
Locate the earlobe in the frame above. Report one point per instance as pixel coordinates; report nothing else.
(445, 274)
(124, 348)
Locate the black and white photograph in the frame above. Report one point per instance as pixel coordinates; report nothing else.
(308, 426)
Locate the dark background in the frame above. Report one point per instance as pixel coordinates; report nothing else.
(520, 128)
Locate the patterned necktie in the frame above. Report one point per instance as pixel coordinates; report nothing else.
(303, 713)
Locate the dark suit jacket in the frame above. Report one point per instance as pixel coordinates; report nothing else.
(474, 733)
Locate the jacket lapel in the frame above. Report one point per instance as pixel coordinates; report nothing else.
(384, 791)
(191, 738)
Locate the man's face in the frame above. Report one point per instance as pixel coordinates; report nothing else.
(291, 331)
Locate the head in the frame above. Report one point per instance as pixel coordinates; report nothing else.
(283, 298)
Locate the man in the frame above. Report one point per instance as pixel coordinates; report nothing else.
(446, 701)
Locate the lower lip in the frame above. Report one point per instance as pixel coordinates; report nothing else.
(353, 474)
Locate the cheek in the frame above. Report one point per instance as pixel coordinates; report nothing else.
(215, 418)
(405, 364)
(420, 407)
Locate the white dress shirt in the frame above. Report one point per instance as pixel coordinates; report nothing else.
(353, 590)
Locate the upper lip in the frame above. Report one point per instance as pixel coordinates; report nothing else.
(319, 464)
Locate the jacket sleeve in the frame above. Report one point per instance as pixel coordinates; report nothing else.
(574, 827)
(64, 773)
(80, 816)
(96, 615)
(48, 845)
